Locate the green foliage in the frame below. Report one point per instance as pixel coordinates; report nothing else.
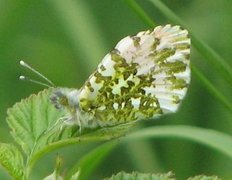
(38, 128)
(30, 121)
(202, 177)
(210, 138)
(91, 160)
(148, 176)
(56, 174)
(140, 176)
(12, 159)
(81, 29)
(35, 127)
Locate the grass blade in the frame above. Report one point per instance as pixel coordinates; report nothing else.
(91, 160)
(216, 140)
(208, 85)
(140, 12)
(81, 29)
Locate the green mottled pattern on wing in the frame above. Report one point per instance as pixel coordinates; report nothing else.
(144, 76)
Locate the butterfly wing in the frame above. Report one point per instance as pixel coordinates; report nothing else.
(146, 75)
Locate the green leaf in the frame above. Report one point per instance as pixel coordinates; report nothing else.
(30, 119)
(56, 173)
(36, 126)
(54, 176)
(203, 177)
(216, 140)
(210, 138)
(33, 125)
(91, 160)
(140, 176)
(11, 159)
(75, 176)
(144, 176)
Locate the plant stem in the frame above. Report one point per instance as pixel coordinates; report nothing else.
(140, 12)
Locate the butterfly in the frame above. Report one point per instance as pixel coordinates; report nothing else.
(143, 77)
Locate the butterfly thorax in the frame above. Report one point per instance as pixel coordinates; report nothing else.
(67, 98)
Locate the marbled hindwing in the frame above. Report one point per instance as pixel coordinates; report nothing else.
(146, 75)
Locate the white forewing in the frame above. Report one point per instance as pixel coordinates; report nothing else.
(146, 75)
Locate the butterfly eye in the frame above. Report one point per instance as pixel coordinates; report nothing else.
(55, 100)
(59, 99)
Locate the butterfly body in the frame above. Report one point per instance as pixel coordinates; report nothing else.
(144, 76)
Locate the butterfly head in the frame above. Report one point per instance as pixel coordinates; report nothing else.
(65, 98)
(68, 99)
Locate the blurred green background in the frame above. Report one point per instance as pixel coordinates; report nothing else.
(66, 39)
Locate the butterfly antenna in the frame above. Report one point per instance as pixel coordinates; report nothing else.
(24, 78)
(50, 83)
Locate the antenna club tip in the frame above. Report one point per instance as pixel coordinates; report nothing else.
(22, 77)
(49, 83)
(21, 62)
